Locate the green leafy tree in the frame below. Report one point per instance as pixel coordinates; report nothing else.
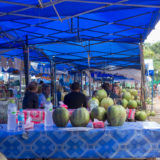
(152, 51)
(148, 53)
(155, 48)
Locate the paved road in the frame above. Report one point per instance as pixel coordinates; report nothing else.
(156, 108)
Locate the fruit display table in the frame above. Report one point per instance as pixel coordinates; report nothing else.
(132, 140)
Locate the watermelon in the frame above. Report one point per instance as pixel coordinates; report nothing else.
(132, 97)
(138, 102)
(116, 115)
(124, 103)
(134, 92)
(141, 116)
(127, 96)
(152, 113)
(93, 100)
(148, 113)
(80, 117)
(100, 94)
(61, 117)
(98, 113)
(137, 115)
(106, 102)
(132, 104)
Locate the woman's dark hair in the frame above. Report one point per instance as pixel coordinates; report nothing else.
(94, 93)
(105, 86)
(44, 87)
(75, 86)
(41, 82)
(32, 86)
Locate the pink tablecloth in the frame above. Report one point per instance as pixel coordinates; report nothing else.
(37, 115)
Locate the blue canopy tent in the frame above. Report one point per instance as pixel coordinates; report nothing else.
(101, 34)
(69, 29)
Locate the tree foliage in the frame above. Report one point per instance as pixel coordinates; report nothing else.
(152, 51)
(148, 53)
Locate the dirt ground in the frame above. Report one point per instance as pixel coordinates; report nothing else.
(156, 108)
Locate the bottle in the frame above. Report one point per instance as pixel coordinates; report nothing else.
(12, 110)
(20, 120)
(48, 121)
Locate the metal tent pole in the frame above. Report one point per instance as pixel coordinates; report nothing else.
(90, 92)
(152, 92)
(26, 61)
(74, 74)
(20, 89)
(52, 78)
(142, 77)
(55, 89)
(81, 80)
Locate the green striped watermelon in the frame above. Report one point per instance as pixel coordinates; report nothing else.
(116, 115)
(80, 117)
(61, 117)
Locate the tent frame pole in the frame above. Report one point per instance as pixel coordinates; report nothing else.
(26, 61)
(117, 3)
(55, 87)
(52, 78)
(142, 77)
(90, 94)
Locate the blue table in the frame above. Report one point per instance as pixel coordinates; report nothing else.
(132, 140)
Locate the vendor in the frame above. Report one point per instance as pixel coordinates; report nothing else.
(116, 94)
(30, 100)
(75, 99)
(106, 87)
(42, 98)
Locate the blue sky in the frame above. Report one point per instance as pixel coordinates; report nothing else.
(154, 36)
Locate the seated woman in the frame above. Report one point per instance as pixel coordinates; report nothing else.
(30, 100)
(42, 98)
(116, 94)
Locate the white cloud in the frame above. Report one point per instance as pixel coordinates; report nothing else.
(154, 36)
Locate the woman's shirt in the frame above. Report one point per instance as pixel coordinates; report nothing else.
(30, 100)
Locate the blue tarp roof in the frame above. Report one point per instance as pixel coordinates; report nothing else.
(110, 30)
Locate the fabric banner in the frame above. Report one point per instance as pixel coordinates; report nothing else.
(34, 65)
(17, 63)
(22, 66)
(49, 71)
(41, 69)
(45, 70)
(10, 63)
(4, 63)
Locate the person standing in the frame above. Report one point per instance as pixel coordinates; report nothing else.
(30, 100)
(158, 88)
(75, 99)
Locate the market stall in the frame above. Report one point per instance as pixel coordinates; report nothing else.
(80, 35)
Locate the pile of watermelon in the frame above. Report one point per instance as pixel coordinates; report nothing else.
(130, 99)
(104, 109)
